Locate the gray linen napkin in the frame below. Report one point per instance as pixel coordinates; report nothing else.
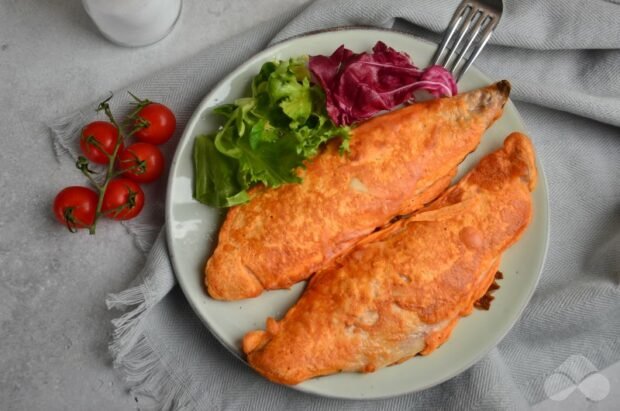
(563, 60)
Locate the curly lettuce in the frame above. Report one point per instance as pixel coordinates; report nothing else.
(264, 138)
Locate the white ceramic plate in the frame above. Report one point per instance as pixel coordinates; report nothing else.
(192, 230)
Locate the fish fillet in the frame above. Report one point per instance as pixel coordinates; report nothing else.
(397, 163)
(402, 290)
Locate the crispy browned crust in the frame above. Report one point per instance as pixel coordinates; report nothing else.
(397, 163)
(401, 291)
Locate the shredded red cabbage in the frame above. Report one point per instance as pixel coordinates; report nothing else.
(358, 86)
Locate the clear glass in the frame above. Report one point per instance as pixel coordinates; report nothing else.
(134, 23)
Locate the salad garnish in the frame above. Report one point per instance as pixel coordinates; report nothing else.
(264, 137)
(359, 85)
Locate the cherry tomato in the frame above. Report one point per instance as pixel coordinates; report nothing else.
(122, 200)
(158, 123)
(144, 162)
(105, 135)
(75, 207)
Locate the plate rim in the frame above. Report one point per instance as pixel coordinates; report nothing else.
(542, 180)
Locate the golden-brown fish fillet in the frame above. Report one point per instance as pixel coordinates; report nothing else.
(396, 164)
(401, 291)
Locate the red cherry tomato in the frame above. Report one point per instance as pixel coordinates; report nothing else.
(144, 162)
(157, 123)
(122, 200)
(75, 207)
(105, 135)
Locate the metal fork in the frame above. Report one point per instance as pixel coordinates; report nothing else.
(469, 31)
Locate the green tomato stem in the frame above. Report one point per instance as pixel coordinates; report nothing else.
(109, 175)
(111, 171)
(140, 104)
(92, 180)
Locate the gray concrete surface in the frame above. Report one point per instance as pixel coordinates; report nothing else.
(54, 327)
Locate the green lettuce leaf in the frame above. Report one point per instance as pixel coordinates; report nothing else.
(216, 176)
(265, 137)
(270, 163)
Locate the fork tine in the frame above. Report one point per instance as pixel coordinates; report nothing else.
(472, 34)
(468, 16)
(469, 31)
(488, 31)
(451, 29)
